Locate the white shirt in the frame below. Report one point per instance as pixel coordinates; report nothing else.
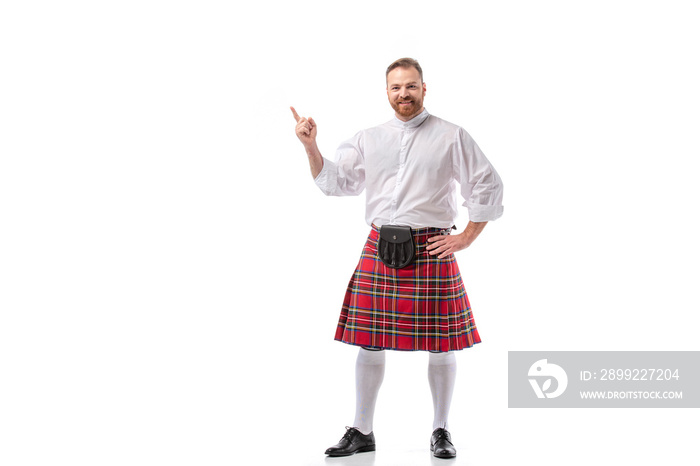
(411, 170)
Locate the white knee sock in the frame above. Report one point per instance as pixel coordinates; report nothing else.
(369, 374)
(442, 371)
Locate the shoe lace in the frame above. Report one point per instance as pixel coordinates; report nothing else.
(442, 435)
(348, 433)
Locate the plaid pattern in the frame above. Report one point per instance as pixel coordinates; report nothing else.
(421, 307)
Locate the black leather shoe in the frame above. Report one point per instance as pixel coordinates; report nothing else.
(441, 444)
(352, 442)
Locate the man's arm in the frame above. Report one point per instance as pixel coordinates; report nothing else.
(306, 131)
(482, 190)
(449, 244)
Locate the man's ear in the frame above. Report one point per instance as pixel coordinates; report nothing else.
(424, 89)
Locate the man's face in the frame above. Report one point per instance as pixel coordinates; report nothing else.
(405, 91)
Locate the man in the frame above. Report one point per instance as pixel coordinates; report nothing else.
(410, 167)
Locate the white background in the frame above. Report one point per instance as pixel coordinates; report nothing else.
(170, 279)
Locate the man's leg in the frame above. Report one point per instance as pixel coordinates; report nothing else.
(369, 374)
(442, 372)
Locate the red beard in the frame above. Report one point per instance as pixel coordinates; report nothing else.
(405, 110)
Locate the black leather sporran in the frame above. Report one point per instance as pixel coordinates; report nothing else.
(395, 246)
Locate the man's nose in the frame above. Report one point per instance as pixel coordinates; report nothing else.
(403, 92)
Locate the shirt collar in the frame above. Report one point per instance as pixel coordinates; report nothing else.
(414, 122)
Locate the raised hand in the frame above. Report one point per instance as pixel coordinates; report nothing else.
(306, 129)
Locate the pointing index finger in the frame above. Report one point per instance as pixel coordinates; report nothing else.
(296, 115)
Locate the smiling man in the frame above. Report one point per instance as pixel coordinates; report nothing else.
(407, 292)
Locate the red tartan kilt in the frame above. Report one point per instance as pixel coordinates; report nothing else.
(421, 307)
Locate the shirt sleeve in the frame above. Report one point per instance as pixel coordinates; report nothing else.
(345, 176)
(480, 185)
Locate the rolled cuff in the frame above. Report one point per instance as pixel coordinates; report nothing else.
(327, 179)
(484, 213)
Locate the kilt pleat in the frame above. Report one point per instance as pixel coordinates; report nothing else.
(422, 307)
